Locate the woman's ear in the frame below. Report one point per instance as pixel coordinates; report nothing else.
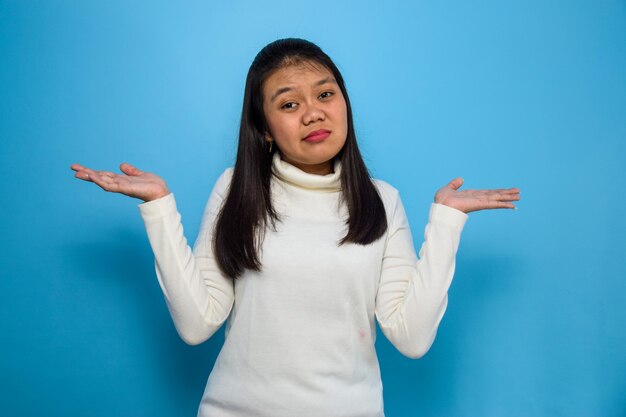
(269, 140)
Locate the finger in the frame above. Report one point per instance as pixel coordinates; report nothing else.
(88, 175)
(496, 195)
(85, 173)
(82, 175)
(456, 183)
(498, 205)
(501, 205)
(509, 191)
(77, 167)
(501, 191)
(507, 197)
(128, 169)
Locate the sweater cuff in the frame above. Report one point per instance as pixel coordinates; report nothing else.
(440, 213)
(159, 208)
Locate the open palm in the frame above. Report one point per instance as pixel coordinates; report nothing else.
(132, 182)
(474, 200)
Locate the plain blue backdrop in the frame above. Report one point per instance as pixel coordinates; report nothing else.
(529, 94)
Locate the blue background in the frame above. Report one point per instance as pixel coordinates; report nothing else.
(529, 94)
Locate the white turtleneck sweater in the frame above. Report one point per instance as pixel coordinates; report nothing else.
(300, 334)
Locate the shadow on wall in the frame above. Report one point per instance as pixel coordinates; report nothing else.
(434, 383)
(121, 262)
(485, 304)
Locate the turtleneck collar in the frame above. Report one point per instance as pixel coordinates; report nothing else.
(295, 176)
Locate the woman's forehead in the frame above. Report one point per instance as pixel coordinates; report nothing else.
(294, 74)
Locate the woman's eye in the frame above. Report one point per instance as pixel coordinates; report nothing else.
(326, 94)
(288, 106)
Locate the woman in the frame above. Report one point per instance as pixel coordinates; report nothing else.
(300, 250)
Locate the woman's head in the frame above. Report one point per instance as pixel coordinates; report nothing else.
(293, 89)
(306, 116)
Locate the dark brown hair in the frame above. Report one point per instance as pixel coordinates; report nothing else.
(248, 209)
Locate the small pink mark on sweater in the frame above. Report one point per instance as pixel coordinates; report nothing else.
(362, 333)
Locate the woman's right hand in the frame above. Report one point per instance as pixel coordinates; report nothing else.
(134, 183)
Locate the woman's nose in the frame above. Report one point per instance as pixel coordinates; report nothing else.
(313, 114)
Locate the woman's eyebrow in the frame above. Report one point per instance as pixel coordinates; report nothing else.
(326, 80)
(318, 83)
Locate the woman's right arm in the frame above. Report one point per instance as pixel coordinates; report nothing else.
(198, 296)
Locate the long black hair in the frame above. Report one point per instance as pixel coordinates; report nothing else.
(248, 209)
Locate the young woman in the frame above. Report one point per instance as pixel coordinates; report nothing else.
(300, 251)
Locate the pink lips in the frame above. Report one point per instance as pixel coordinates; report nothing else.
(317, 136)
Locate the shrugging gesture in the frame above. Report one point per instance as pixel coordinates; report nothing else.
(133, 182)
(474, 200)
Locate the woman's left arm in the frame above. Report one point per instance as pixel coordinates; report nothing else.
(413, 293)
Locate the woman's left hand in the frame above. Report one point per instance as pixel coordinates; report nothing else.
(474, 200)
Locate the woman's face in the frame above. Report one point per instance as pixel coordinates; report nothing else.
(306, 115)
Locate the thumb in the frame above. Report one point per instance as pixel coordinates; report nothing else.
(128, 169)
(456, 183)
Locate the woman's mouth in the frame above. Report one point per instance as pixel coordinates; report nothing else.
(317, 136)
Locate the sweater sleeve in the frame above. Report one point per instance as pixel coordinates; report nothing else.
(199, 297)
(413, 293)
